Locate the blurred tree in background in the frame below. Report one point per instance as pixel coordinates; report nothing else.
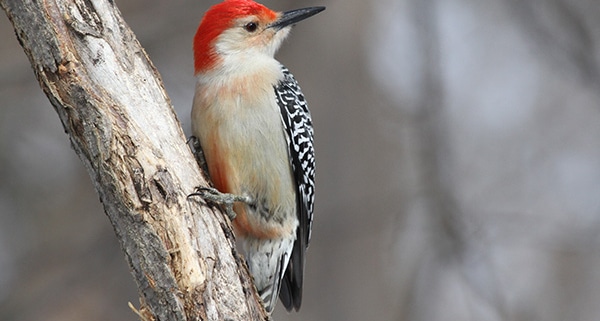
(458, 164)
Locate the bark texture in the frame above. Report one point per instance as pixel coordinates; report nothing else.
(119, 119)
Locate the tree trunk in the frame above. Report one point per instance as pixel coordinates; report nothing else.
(113, 106)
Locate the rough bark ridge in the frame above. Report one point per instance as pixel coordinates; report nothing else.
(119, 119)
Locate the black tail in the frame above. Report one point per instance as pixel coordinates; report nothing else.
(291, 284)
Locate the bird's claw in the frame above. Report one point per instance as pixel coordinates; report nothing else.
(196, 149)
(226, 199)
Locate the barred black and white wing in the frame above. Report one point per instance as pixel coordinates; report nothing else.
(299, 134)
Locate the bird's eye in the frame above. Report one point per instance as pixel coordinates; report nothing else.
(251, 26)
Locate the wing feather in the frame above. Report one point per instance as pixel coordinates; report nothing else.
(299, 132)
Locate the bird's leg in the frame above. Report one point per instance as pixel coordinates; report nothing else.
(196, 148)
(209, 193)
(226, 199)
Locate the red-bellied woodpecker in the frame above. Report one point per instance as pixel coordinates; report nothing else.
(257, 137)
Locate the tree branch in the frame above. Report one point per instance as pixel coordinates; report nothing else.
(112, 104)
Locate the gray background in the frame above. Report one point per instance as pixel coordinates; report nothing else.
(458, 153)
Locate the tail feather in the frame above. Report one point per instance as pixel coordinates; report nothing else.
(285, 294)
(267, 261)
(291, 284)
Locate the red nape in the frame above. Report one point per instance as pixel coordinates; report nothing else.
(217, 19)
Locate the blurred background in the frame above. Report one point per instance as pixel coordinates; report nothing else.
(458, 153)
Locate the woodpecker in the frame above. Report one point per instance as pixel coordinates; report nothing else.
(256, 133)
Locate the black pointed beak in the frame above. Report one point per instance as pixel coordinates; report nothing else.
(290, 17)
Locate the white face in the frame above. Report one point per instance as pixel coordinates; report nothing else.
(250, 36)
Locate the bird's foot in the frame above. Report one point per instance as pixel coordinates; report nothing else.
(196, 148)
(226, 199)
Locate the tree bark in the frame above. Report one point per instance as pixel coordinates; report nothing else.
(119, 119)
